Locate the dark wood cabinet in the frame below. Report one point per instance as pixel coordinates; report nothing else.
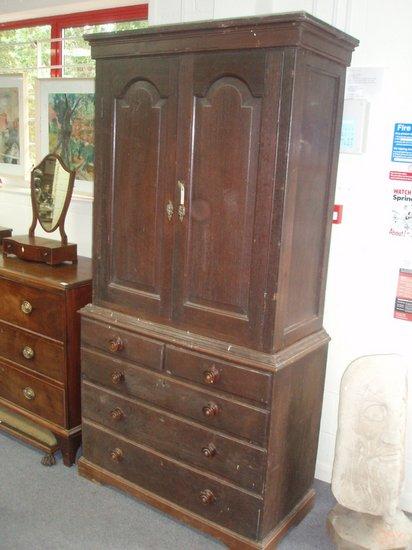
(40, 353)
(217, 148)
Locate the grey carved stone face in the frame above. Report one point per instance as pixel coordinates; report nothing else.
(369, 455)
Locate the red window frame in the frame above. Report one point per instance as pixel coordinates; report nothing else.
(60, 22)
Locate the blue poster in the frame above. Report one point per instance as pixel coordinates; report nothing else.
(402, 143)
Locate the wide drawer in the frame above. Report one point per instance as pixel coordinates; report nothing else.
(123, 344)
(184, 440)
(247, 383)
(214, 411)
(32, 394)
(219, 502)
(33, 309)
(31, 351)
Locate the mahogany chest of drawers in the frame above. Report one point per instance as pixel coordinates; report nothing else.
(40, 352)
(203, 352)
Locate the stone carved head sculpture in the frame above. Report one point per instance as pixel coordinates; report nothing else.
(369, 458)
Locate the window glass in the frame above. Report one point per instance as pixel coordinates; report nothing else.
(76, 51)
(27, 50)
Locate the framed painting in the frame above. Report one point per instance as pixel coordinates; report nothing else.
(13, 125)
(65, 125)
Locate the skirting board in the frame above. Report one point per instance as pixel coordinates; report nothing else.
(232, 540)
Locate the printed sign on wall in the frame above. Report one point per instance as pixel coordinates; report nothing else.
(402, 142)
(403, 302)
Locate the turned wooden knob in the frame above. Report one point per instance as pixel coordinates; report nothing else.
(26, 307)
(117, 414)
(211, 376)
(211, 409)
(117, 377)
(207, 497)
(116, 455)
(209, 451)
(116, 344)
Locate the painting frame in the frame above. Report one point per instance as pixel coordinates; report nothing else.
(17, 81)
(44, 88)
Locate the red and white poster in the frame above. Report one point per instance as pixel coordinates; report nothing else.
(403, 302)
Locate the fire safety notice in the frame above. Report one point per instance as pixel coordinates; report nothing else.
(403, 302)
(402, 142)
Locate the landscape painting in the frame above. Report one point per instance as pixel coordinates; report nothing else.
(9, 126)
(11, 115)
(66, 124)
(71, 131)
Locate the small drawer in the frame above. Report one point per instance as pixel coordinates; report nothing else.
(247, 383)
(239, 462)
(226, 414)
(31, 351)
(33, 309)
(122, 343)
(34, 395)
(200, 493)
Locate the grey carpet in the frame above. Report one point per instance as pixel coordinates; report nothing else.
(55, 509)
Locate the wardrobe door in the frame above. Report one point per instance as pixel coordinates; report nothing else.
(228, 109)
(134, 233)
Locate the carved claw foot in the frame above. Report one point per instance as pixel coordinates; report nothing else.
(48, 460)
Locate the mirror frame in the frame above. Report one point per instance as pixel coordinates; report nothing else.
(36, 215)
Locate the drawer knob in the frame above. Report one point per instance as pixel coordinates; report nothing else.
(209, 451)
(211, 409)
(211, 376)
(117, 377)
(28, 352)
(29, 393)
(116, 344)
(207, 497)
(117, 414)
(26, 307)
(116, 455)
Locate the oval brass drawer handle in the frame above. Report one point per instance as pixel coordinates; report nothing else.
(211, 409)
(29, 393)
(207, 497)
(26, 307)
(209, 451)
(117, 377)
(28, 352)
(117, 414)
(211, 376)
(116, 344)
(117, 455)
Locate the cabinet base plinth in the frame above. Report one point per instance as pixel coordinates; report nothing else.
(230, 538)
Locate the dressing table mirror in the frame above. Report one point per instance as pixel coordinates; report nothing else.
(51, 191)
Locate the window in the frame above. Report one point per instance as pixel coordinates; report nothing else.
(54, 47)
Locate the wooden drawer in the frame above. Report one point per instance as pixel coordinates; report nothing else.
(230, 507)
(237, 461)
(32, 351)
(124, 344)
(247, 383)
(44, 312)
(32, 394)
(230, 416)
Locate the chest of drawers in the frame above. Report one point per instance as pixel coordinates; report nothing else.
(200, 430)
(40, 353)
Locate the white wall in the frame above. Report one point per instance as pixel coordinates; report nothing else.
(364, 260)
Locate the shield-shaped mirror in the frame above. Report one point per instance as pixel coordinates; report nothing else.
(51, 190)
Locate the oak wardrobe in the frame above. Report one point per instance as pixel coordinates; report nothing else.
(203, 352)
